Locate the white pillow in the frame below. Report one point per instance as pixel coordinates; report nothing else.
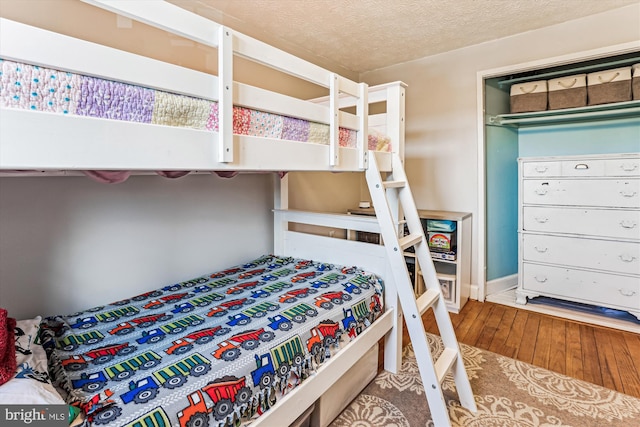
(30, 384)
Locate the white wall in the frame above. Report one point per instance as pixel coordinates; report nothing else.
(69, 243)
(442, 117)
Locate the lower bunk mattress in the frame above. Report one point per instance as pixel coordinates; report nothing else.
(216, 350)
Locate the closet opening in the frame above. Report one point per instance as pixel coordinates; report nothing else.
(505, 137)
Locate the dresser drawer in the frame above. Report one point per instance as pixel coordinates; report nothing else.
(542, 169)
(622, 167)
(580, 167)
(617, 257)
(591, 222)
(621, 193)
(583, 286)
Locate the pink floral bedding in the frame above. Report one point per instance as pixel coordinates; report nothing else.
(36, 88)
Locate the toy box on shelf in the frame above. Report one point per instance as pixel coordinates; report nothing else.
(442, 238)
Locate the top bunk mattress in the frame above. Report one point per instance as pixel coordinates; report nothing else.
(30, 87)
(214, 350)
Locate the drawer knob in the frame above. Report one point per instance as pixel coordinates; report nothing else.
(581, 166)
(543, 219)
(540, 279)
(627, 223)
(541, 191)
(626, 257)
(541, 250)
(629, 167)
(627, 292)
(627, 193)
(541, 169)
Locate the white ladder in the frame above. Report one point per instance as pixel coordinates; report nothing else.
(395, 189)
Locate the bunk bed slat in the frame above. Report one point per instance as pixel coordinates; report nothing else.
(165, 16)
(24, 43)
(84, 143)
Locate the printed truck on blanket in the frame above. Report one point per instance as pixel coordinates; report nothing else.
(280, 359)
(248, 340)
(97, 356)
(218, 397)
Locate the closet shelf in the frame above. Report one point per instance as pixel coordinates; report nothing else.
(573, 70)
(570, 115)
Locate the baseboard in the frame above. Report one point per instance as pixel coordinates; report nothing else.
(473, 293)
(501, 284)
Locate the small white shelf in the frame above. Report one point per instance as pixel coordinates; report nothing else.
(460, 268)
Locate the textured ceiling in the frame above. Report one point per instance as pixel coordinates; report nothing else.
(364, 35)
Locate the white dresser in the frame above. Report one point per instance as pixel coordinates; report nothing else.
(579, 230)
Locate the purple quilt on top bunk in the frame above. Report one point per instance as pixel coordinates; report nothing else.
(36, 88)
(215, 350)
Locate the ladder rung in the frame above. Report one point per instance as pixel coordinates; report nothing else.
(445, 362)
(394, 184)
(427, 299)
(410, 240)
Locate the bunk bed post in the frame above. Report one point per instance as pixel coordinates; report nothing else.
(396, 110)
(395, 105)
(362, 111)
(334, 119)
(280, 204)
(225, 92)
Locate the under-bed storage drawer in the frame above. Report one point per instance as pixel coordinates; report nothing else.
(592, 222)
(609, 255)
(621, 193)
(583, 286)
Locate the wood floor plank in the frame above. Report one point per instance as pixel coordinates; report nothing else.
(498, 343)
(632, 342)
(476, 327)
(590, 360)
(573, 348)
(490, 327)
(557, 349)
(543, 343)
(625, 364)
(607, 357)
(528, 340)
(512, 345)
(471, 315)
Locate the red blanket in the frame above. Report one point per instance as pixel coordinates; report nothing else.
(7, 347)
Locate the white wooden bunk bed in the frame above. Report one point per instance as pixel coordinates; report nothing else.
(60, 141)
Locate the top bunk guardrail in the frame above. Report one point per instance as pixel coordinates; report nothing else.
(156, 147)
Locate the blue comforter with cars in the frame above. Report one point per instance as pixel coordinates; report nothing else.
(214, 350)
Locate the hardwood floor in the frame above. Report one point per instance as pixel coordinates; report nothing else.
(607, 357)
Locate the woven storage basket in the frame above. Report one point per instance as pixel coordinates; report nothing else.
(635, 81)
(568, 92)
(529, 97)
(609, 86)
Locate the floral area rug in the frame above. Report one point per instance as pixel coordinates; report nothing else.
(507, 393)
